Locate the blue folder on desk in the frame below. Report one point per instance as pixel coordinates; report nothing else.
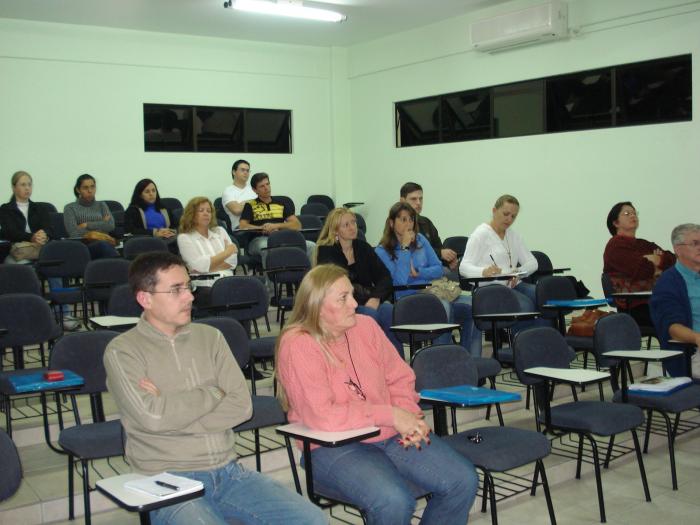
(467, 395)
(577, 303)
(35, 382)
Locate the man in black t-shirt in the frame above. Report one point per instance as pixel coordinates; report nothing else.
(412, 193)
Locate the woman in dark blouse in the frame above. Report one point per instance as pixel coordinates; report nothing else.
(146, 215)
(372, 286)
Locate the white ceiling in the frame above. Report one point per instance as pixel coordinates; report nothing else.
(367, 19)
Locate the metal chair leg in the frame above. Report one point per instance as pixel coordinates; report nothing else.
(547, 495)
(671, 450)
(642, 472)
(609, 452)
(86, 492)
(579, 456)
(71, 502)
(647, 431)
(492, 498)
(598, 479)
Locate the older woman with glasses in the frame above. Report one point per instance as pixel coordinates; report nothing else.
(632, 264)
(337, 371)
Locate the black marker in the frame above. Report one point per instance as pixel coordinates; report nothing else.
(167, 485)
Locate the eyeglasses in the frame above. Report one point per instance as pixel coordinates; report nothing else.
(352, 386)
(693, 244)
(178, 291)
(630, 213)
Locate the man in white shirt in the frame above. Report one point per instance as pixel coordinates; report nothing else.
(236, 195)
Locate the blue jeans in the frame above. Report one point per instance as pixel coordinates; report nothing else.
(525, 292)
(469, 336)
(232, 493)
(384, 316)
(374, 476)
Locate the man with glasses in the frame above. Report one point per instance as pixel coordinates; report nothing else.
(675, 302)
(237, 194)
(179, 393)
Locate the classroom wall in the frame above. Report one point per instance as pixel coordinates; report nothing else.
(566, 182)
(72, 102)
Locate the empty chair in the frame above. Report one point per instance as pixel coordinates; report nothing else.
(621, 332)
(171, 203)
(496, 300)
(315, 208)
(323, 199)
(58, 226)
(501, 448)
(123, 303)
(10, 467)
(286, 238)
(310, 222)
(82, 353)
(18, 278)
(286, 267)
(266, 409)
(418, 309)
(135, 246)
(239, 289)
(546, 347)
(100, 277)
(114, 206)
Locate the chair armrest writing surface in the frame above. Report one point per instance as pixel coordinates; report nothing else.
(553, 271)
(131, 500)
(35, 382)
(576, 376)
(506, 316)
(631, 295)
(575, 303)
(643, 355)
(352, 204)
(467, 396)
(324, 438)
(428, 328)
(203, 276)
(113, 321)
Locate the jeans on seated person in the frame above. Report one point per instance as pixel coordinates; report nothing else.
(373, 477)
(384, 316)
(469, 337)
(525, 292)
(233, 494)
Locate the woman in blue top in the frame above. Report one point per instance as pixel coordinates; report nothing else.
(146, 215)
(411, 260)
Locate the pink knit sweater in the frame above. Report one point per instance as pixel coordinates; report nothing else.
(317, 391)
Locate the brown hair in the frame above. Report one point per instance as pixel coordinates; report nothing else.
(18, 175)
(188, 214)
(388, 241)
(505, 198)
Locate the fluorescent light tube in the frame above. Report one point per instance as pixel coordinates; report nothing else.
(288, 8)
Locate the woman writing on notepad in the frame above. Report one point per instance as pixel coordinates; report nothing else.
(495, 249)
(336, 370)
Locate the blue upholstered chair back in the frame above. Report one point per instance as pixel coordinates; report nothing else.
(542, 346)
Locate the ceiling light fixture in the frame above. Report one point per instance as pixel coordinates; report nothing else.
(291, 8)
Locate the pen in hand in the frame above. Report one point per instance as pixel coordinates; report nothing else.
(167, 485)
(492, 260)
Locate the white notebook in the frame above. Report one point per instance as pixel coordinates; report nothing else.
(172, 485)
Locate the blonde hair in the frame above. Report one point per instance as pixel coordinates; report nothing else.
(306, 314)
(506, 198)
(188, 214)
(329, 232)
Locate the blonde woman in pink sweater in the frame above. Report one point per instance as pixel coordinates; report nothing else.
(336, 370)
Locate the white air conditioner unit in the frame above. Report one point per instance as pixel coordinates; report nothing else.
(518, 28)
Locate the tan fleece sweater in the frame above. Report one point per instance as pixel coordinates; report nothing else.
(202, 396)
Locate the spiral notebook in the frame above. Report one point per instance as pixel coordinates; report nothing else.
(171, 485)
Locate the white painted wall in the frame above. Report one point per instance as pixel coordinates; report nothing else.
(72, 102)
(566, 182)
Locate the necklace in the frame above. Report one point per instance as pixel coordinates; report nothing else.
(354, 387)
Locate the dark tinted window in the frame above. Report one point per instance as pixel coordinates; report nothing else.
(579, 101)
(518, 109)
(418, 122)
(268, 131)
(655, 91)
(219, 129)
(466, 116)
(167, 128)
(215, 129)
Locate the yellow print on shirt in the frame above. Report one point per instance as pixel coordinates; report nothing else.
(267, 212)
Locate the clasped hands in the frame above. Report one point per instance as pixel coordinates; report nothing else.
(412, 428)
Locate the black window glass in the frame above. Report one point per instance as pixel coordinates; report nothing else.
(655, 91)
(167, 128)
(518, 109)
(219, 129)
(268, 131)
(579, 101)
(466, 116)
(418, 122)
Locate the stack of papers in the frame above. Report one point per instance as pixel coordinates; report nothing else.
(170, 485)
(660, 386)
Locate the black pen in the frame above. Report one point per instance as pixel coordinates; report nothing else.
(492, 260)
(166, 485)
